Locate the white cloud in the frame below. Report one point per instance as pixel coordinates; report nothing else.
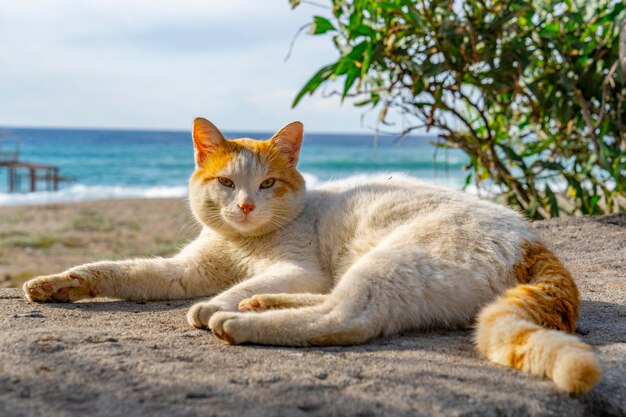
(158, 64)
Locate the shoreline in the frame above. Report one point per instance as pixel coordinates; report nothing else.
(82, 193)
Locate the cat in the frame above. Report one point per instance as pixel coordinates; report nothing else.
(348, 262)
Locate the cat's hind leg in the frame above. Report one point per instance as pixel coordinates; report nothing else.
(262, 302)
(336, 321)
(388, 290)
(280, 278)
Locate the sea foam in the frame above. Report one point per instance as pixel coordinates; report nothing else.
(81, 192)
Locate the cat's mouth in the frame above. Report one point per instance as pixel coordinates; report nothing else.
(245, 222)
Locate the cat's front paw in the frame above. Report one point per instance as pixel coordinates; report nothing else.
(199, 314)
(63, 288)
(259, 302)
(230, 327)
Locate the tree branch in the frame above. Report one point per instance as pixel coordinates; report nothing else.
(584, 107)
(293, 40)
(480, 112)
(622, 45)
(605, 91)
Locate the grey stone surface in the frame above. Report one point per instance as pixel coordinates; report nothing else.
(113, 358)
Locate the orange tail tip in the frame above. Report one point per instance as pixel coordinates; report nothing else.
(525, 328)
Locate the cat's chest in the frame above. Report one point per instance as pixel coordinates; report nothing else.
(238, 259)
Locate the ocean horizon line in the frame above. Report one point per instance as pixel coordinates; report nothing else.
(4, 128)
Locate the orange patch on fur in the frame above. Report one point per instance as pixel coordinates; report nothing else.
(277, 163)
(280, 190)
(520, 338)
(550, 295)
(217, 159)
(547, 296)
(493, 316)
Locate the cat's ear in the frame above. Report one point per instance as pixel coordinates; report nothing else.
(206, 138)
(289, 140)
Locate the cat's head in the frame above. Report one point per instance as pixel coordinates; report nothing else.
(245, 186)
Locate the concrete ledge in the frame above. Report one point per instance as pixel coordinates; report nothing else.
(112, 358)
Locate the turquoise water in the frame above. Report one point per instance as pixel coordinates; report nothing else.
(119, 164)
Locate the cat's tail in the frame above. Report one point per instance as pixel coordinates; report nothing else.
(527, 327)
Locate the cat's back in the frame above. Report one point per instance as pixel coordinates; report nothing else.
(356, 214)
(386, 200)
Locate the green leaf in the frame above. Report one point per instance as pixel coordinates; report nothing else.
(512, 155)
(353, 74)
(314, 82)
(358, 50)
(468, 180)
(554, 166)
(550, 30)
(593, 204)
(367, 59)
(320, 25)
(363, 102)
(362, 30)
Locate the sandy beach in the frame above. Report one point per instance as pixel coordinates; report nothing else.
(45, 239)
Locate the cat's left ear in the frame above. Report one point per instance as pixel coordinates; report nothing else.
(289, 140)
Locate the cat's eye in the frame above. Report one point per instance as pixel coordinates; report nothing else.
(226, 182)
(267, 183)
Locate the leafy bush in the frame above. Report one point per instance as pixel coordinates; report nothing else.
(532, 91)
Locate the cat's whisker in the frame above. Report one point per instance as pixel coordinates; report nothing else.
(188, 224)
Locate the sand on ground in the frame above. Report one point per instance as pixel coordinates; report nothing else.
(45, 239)
(117, 358)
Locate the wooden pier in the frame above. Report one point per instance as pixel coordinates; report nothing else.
(33, 172)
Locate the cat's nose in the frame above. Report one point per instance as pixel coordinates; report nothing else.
(247, 208)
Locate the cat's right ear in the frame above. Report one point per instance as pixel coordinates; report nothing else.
(289, 140)
(206, 138)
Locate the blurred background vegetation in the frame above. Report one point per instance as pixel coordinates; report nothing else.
(532, 91)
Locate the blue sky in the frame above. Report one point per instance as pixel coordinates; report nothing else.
(158, 64)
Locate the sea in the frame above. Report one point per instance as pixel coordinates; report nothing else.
(110, 164)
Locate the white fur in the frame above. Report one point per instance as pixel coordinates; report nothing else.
(391, 253)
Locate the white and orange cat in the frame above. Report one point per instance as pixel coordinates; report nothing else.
(349, 262)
